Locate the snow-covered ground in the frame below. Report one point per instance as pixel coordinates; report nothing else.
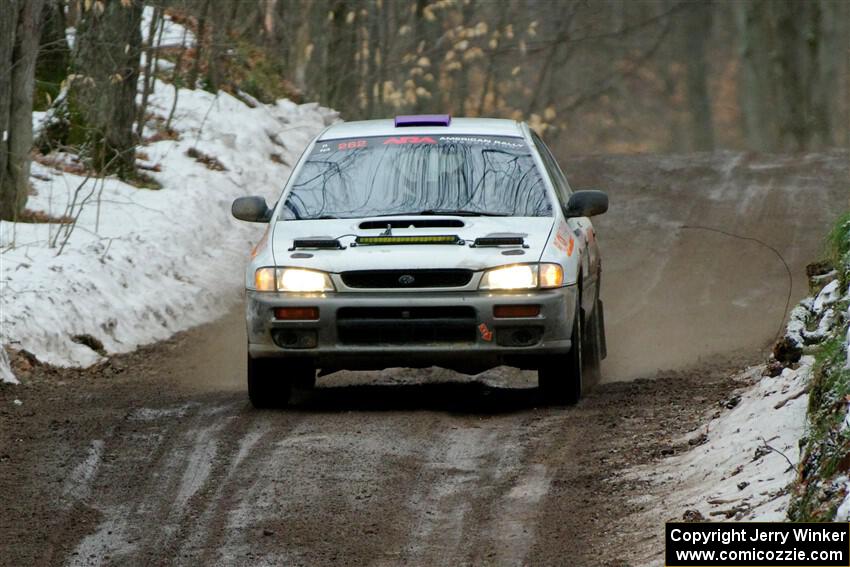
(142, 264)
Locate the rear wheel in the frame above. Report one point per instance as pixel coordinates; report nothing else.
(270, 380)
(559, 378)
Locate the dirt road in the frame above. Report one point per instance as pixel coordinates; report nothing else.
(140, 462)
(156, 457)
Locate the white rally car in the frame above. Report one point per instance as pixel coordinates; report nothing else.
(425, 241)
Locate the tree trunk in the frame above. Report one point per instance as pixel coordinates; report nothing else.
(53, 56)
(149, 78)
(102, 96)
(19, 37)
(791, 54)
(756, 89)
(697, 29)
(340, 65)
(195, 72)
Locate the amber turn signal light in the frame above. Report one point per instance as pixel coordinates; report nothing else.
(296, 313)
(508, 311)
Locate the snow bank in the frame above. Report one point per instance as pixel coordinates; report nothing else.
(743, 469)
(142, 264)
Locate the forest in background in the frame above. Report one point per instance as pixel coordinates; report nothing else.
(590, 76)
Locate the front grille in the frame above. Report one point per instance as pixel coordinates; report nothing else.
(406, 325)
(406, 279)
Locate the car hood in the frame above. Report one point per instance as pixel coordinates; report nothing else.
(535, 230)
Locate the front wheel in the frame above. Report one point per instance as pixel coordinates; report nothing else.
(559, 378)
(593, 344)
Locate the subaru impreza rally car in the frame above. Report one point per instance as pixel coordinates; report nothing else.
(425, 241)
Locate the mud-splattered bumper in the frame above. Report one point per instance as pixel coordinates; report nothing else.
(379, 330)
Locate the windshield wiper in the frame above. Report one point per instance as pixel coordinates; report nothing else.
(447, 212)
(460, 213)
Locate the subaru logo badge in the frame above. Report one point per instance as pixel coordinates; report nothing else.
(406, 279)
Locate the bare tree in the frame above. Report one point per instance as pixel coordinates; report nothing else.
(103, 92)
(19, 38)
(697, 29)
(790, 55)
(53, 55)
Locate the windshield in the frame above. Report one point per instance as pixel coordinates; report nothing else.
(391, 175)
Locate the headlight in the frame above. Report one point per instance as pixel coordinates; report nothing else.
(523, 276)
(510, 277)
(292, 279)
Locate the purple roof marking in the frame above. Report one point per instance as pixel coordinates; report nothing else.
(423, 120)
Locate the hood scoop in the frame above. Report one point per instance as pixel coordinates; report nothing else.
(500, 240)
(317, 242)
(411, 223)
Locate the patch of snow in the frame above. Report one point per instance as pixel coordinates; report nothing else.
(796, 328)
(6, 374)
(845, 423)
(824, 327)
(164, 65)
(17, 402)
(827, 296)
(77, 485)
(142, 264)
(151, 414)
(843, 512)
(173, 34)
(37, 120)
(847, 340)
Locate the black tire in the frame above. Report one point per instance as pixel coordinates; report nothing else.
(592, 345)
(270, 380)
(603, 345)
(559, 378)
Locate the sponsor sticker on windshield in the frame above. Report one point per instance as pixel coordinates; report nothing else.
(514, 143)
(410, 140)
(348, 144)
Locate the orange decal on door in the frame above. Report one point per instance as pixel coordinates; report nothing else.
(561, 242)
(262, 243)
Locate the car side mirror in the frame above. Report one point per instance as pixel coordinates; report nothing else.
(587, 203)
(251, 209)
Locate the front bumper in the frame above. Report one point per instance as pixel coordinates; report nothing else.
(331, 345)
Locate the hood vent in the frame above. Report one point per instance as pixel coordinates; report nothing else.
(415, 223)
(495, 241)
(317, 242)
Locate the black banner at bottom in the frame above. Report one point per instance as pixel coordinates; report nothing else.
(757, 544)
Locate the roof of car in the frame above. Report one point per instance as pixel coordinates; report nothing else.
(387, 127)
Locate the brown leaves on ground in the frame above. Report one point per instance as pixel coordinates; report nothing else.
(67, 163)
(40, 217)
(209, 161)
